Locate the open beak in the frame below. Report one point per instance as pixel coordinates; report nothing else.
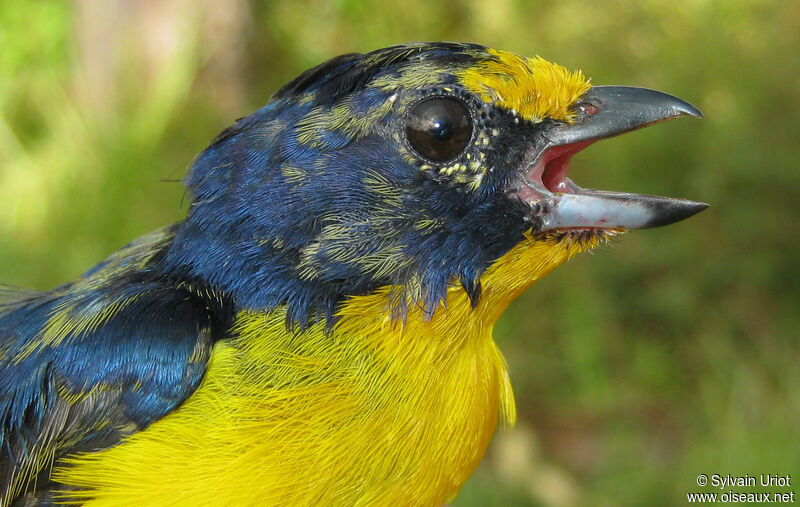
(603, 111)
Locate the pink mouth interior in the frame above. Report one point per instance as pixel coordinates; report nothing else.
(551, 169)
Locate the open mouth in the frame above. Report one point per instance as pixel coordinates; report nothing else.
(548, 175)
(558, 203)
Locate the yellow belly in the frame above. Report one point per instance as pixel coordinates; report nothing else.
(375, 413)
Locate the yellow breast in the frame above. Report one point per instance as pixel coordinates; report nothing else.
(375, 413)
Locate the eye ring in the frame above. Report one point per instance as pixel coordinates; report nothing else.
(439, 128)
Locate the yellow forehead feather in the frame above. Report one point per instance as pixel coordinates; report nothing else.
(533, 87)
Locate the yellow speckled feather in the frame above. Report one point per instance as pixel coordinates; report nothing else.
(377, 412)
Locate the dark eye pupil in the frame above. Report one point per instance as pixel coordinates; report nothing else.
(439, 128)
(442, 130)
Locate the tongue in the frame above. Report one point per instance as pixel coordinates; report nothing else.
(551, 168)
(554, 176)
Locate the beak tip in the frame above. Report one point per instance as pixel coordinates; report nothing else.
(689, 110)
(675, 210)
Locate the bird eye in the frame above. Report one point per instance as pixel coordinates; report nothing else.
(439, 128)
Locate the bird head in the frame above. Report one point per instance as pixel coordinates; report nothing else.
(418, 167)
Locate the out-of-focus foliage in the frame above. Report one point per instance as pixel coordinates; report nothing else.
(673, 353)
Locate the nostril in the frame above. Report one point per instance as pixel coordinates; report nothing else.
(588, 109)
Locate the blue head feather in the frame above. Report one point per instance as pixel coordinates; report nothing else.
(317, 196)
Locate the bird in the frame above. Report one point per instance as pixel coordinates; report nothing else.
(318, 329)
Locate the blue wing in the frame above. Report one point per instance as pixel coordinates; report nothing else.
(92, 361)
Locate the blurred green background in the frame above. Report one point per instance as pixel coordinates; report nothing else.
(673, 353)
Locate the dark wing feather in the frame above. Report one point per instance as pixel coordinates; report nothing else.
(91, 362)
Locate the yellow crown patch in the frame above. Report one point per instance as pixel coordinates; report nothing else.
(533, 87)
